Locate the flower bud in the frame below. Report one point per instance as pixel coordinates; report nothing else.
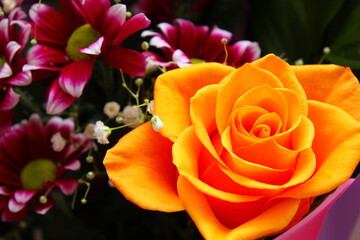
(111, 109)
(156, 123)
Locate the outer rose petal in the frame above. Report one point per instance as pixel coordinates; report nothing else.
(331, 84)
(271, 221)
(174, 89)
(337, 152)
(147, 168)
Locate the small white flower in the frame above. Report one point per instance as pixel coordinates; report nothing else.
(58, 142)
(111, 109)
(131, 114)
(156, 123)
(89, 131)
(150, 107)
(101, 132)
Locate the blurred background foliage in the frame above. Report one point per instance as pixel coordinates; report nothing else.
(291, 29)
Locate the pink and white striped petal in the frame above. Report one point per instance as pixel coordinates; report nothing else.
(21, 79)
(57, 99)
(94, 48)
(74, 165)
(43, 208)
(9, 99)
(24, 196)
(114, 18)
(5, 71)
(15, 206)
(67, 186)
(74, 76)
(12, 48)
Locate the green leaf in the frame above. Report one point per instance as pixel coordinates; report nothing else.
(344, 36)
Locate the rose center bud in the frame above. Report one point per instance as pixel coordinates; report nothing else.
(36, 172)
(261, 131)
(82, 37)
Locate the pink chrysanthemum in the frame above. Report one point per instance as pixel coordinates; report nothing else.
(14, 34)
(184, 43)
(30, 168)
(70, 41)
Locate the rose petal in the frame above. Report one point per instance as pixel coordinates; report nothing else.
(146, 168)
(335, 85)
(285, 74)
(176, 87)
(337, 151)
(270, 221)
(243, 79)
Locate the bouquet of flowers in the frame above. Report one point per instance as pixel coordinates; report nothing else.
(240, 118)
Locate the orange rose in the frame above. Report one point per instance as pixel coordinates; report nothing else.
(243, 151)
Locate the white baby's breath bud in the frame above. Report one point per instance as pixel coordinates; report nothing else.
(299, 62)
(89, 159)
(89, 131)
(128, 14)
(43, 199)
(57, 142)
(33, 41)
(224, 41)
(145, 46)
(132, 114)
(102, 132)
(150, 107)
(83, 201)
(156, 123)
(139, 82)
(111, 109)
(90, 175)
(326, 50)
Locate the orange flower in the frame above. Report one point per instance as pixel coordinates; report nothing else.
(243, 151)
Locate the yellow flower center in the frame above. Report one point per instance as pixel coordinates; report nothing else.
(2, 62)
(196, 60)
(82, 37)
(36, 172)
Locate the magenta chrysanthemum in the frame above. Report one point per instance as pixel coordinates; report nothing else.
(14, 34)
(31, 167)
(70, 41)
(184, 43)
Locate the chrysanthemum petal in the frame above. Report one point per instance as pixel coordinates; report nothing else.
(129, 61)
(5, 71)
(67, 186)
(146, 167)
(15, 206)
(21, 79)
(113, 21)
(94, 48)
(95, 11)
(75, 165)
(74, 76)
(24, 196)
(52, 27)
(42, 208)
(57, 99)
(11, 50)
(9, 100)
(130, 26)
